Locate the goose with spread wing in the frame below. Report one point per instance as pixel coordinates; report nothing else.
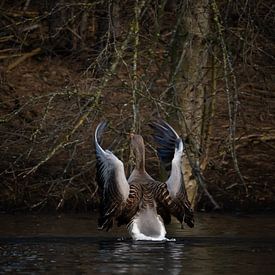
(140, 202)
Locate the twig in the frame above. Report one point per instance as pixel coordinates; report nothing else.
(91, 103)
(135, 127)
(198, 176)
(26, 5)
(231, 99)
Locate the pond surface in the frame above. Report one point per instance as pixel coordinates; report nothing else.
(71, 244)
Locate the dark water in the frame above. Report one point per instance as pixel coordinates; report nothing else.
(66, 244)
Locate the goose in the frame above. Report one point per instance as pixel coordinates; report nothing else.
(141, 203)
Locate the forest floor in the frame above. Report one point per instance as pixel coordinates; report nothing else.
(255, 135)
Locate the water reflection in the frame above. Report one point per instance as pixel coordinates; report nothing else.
(148, 257)
(72, 245)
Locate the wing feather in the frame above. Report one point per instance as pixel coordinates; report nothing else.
(112, 182)
(170, 151)
(165, 136)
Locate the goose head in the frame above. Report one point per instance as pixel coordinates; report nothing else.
(137, 145)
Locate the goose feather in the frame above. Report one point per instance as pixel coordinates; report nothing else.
(171, 151)
(112, 182)
(141, 202)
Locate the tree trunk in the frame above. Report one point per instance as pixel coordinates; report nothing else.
(190, 82)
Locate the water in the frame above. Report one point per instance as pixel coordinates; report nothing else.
(71, 244)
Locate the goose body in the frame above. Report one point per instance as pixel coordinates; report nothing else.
(142, 203)
(146, 224)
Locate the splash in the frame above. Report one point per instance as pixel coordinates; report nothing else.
(142, 237)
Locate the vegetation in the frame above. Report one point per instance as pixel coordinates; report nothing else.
(204, 65)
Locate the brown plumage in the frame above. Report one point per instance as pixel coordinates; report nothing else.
(141, 202)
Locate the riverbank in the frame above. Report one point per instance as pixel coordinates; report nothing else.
(66, 180)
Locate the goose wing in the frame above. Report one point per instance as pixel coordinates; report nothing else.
(113, 186)
(170, 151)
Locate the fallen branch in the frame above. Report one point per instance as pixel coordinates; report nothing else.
(23, 58)
(200, 181)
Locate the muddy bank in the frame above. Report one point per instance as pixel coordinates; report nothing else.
(63, 69)
(66, 181)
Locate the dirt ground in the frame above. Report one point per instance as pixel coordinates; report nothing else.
(255, 146)
(41, 75)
